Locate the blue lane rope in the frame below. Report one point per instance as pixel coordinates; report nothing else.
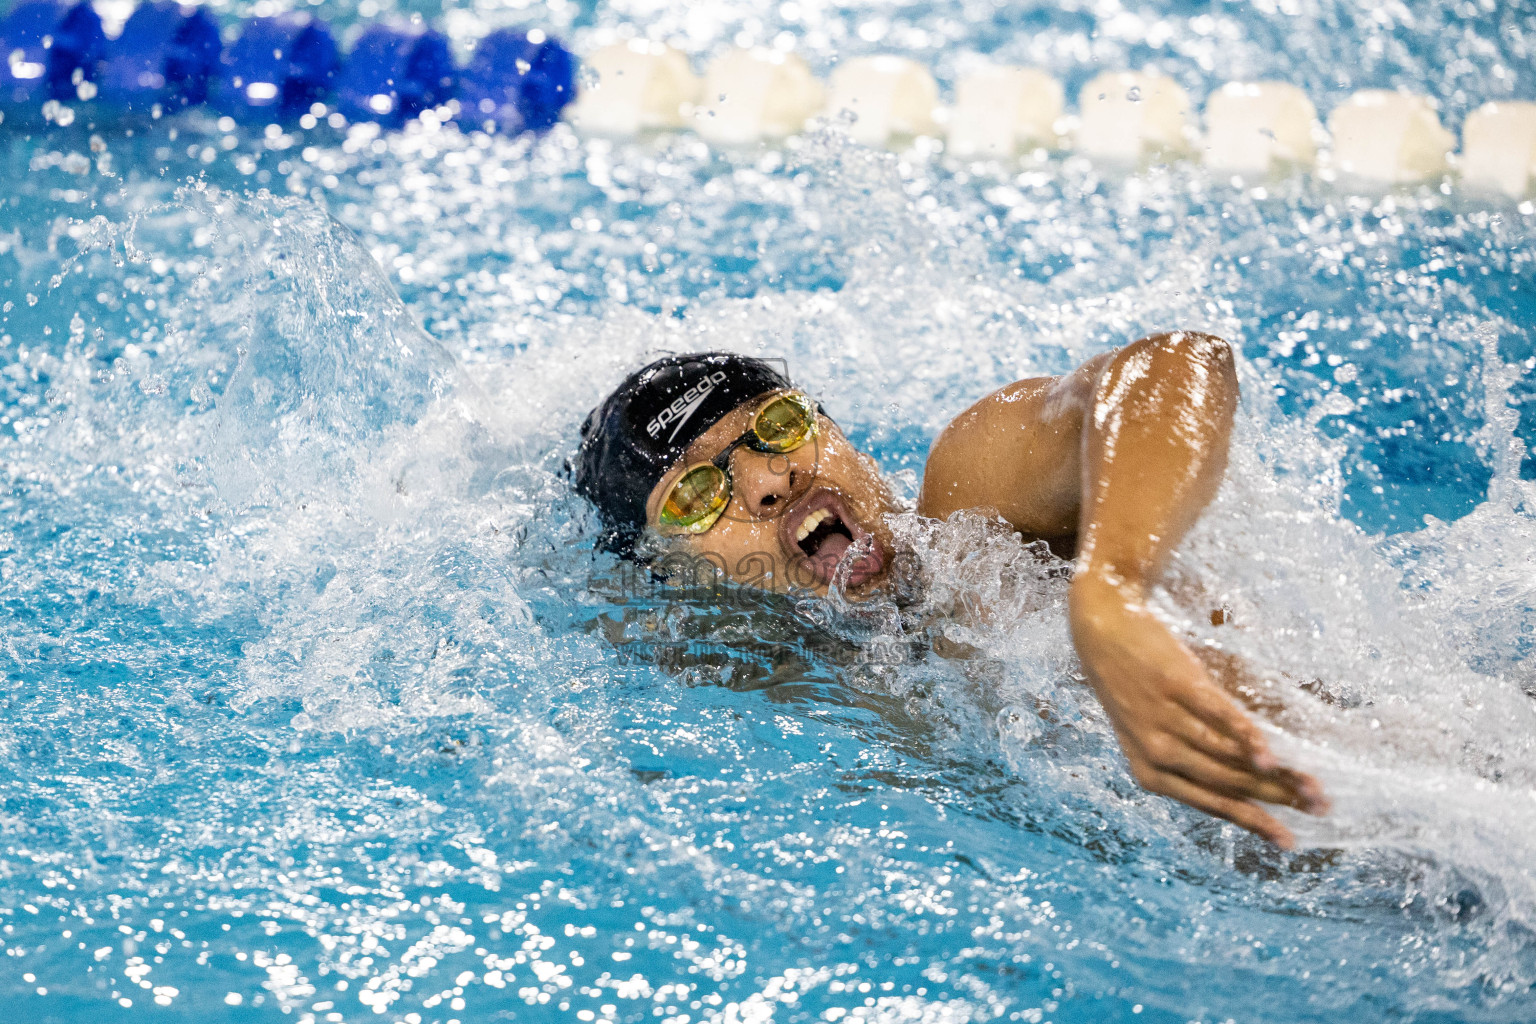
(45, 43)
(516, 80)
(169, 57)
(276, 70)
(394, 73)
(165, 55)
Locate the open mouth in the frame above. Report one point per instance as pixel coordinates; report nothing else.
(819, 532)
(822, 532)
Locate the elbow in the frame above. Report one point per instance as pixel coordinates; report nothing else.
(1210, 351)
(1216, 354)
(1211, 357)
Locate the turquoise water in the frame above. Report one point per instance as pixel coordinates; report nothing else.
(318, 705)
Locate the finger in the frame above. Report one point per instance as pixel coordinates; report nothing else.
(1222, 713)
(1301, 790)
(1239, 812)
(1203, 770)
(1200, 735)
(1317, 800)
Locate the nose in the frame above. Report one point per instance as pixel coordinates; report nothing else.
(766, 484)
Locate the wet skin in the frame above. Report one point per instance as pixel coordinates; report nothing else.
(1116, 458)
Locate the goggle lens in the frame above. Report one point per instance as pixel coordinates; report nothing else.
(696, 500)
(785, 423)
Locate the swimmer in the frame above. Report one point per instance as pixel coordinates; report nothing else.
(721, 456)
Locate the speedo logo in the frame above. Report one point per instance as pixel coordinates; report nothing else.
(684, 406)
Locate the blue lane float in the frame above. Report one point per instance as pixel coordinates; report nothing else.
(50, 46)
(393, 73)
(165, 56)
(276, 69)
(516, 81)
(169, 56)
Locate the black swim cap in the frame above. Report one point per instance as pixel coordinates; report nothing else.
(638, 432)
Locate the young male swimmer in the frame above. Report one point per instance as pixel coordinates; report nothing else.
(1115, 460)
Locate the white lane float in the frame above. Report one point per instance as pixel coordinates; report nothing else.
(1000, 111)
(640, 86)
(1498, 148)
(1132, 116)
(756, 94)
(1259, 128)
(1251, 128)
(1392, 137)
(893, 99)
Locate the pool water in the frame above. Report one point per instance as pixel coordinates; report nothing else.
(318, 704)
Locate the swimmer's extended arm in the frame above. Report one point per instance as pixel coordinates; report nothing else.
(1125, 452)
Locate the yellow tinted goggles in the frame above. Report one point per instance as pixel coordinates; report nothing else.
(785, 421)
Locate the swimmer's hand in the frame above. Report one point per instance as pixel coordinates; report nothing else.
(1184, 737)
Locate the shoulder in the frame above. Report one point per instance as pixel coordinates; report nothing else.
(1015, 452)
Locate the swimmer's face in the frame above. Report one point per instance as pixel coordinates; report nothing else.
(792, 517)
